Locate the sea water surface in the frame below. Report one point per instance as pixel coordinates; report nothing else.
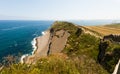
(16, 37)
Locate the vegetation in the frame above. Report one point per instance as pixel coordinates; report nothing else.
(114, 25)
(50, 65)
(105, 29)
(78, 57)
(78, 43)
(82, 48)
(111, 57)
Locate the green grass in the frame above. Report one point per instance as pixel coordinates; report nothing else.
(81, 46)
(112, 56)
(54, 64)
(49, 65)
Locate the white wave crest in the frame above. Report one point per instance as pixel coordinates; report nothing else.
(44, 32)
(33, 42)
(34, 45)
(34, 49)
(22, 58)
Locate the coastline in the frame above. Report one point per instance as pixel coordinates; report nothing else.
(40, 48)
(34, 47)
(34, 44)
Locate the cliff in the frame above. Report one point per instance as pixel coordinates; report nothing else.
(53, 42)
(70, 49)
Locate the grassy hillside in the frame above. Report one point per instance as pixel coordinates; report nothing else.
(78, 57)
(115, 25)
(86, 45)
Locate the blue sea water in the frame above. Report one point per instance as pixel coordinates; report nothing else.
(16, 36)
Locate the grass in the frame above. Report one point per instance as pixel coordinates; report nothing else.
(56, 64)
(106, 29)
(112, 57)
(82, 46)
(49, 65)
(115, 25)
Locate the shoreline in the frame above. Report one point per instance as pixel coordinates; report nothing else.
(34, 44)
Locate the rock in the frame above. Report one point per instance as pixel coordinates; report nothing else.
(102, 50)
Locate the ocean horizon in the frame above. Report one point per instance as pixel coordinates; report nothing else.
(17, 36)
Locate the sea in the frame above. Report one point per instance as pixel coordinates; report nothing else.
(17, 37)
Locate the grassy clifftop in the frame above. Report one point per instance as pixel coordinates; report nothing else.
(82, 48)
(78, 57)
(115, 25)
(105, 29)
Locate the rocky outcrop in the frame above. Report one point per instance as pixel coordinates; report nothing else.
(102, 50)
(109, 56)
(112, 38)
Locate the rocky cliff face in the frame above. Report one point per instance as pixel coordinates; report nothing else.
(112, 38)
(58, 41)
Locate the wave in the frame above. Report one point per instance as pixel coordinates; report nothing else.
(22, 58)
(33, 42)
(13, 28)
(43, 33)
(34, 45)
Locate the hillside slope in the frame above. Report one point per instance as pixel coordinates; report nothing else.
(114, 25)
(106, 29)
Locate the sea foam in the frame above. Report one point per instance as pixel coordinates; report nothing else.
(22, 58)
(33, 42)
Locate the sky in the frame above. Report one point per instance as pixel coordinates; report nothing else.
(59, 9)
